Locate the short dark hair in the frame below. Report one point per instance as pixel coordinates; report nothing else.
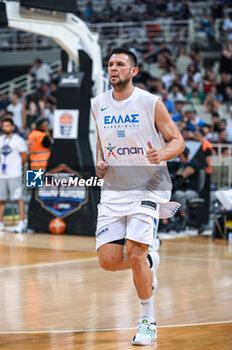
(130, 54)
(7, 113)
(9, 120)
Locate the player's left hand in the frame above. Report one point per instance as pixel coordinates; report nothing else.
(153, 155)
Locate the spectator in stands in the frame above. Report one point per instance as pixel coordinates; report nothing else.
(196, 96)
(208, 150)
(89, 11)
(40, 143)
(4, 102)
(225, 82)
(224, 151)
(227, 27)
(34, 109)
(213, 100)
(8, 115)
(191, 78)
(207, 25)
(209, 80)
(169, 77)
(155, 86)
(175, 93)
(107, 11)
(42, 71)
(229, 127)
(18, 110)
(142, 76)
(173, 8)
(168, 103)
(52, 95)
(217, 10)
(215, 126)
(179, 104)
(13, 153)
(192, 120)
(185, 12)
(226, 59)
(186, 185)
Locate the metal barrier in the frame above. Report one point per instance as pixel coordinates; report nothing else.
(222, 166)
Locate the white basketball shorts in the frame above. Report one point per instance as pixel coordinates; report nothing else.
(137, 221)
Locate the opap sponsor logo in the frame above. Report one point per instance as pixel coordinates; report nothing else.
(122, 151)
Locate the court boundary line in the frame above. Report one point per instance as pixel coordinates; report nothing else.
(63, 262)
(45, 247)
(112, 329)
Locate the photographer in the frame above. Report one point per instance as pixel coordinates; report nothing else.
(186, 184)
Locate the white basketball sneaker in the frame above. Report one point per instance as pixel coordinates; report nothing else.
(146, 334)
(20, 227)
(154, 260)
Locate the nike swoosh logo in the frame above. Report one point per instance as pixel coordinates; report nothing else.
(102, 109)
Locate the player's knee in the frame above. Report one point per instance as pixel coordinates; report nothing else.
(108, 263)
(135, 259)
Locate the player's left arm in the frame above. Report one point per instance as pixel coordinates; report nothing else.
(170, 132)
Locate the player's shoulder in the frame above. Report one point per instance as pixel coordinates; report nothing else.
(146, 94)
(101, 97)
(147, 98)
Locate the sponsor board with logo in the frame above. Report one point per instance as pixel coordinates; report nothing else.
(66, 124)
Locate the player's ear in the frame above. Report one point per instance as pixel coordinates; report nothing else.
(135, 71)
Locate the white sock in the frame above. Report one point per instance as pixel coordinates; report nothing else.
(147, 308)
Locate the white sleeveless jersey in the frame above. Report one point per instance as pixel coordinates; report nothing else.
(124, 128)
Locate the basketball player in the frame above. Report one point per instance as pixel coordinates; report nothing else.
(131, 157)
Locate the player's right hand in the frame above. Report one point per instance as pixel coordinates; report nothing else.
(101, 168)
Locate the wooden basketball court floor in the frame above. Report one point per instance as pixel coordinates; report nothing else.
(53, 295)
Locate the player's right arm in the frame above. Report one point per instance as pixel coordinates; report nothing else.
(102, 166)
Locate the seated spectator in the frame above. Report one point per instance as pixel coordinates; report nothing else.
(4, 102)
(229, 127)
(155, 87)
(191, 79)
(186, 185)
(175, 93)
(19, 113)
(226, 59)
(168, 77)
(224, 151)
(209, 80)
(168, 103)
(89, 11)
(34, 109)
(213, 100)
(225, 82)
(227, 27)
(42, 71)
(192, 120)
(207, 25)
(196, 97)
(215, 127)
(142, 76)
(179, 104)
(52, 95)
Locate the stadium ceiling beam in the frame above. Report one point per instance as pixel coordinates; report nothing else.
(68, 31)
